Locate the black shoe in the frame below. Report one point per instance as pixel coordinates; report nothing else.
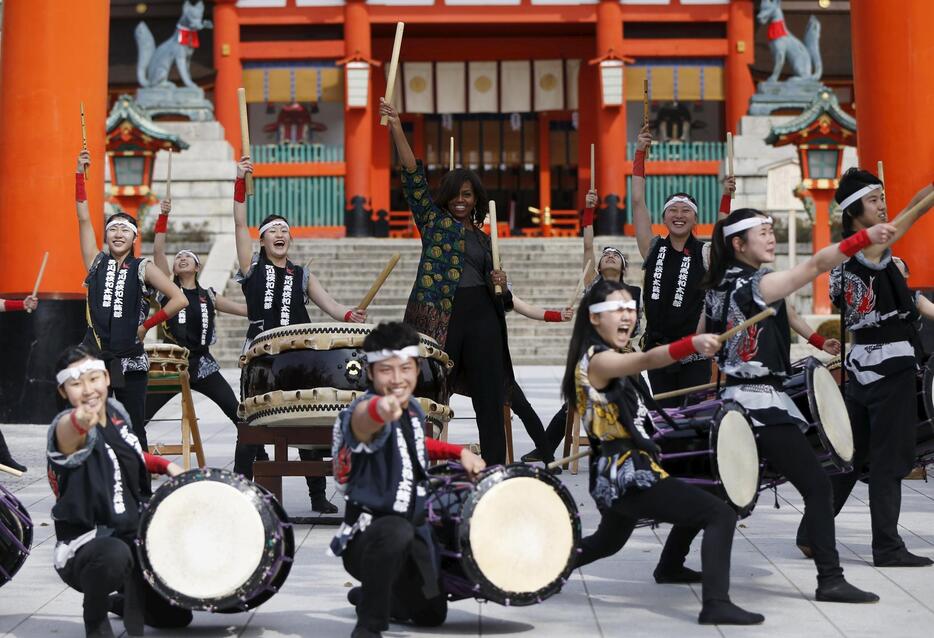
(840, 591)
(7, 459)
(321, 504)
(362, 632)
(531, 457)
(261, 454)
(902, 558)
(723, 612)
(101, 629)
(354, 594)
(681, 576)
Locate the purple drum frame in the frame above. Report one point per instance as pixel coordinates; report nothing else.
(15, 535)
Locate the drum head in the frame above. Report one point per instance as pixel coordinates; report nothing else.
(737, 457)
(831, 416)
(205, 540)
(522, 536)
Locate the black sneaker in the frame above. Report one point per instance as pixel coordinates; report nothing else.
(362, 632)
(321, 504)
(679, 576)
(902, 558)
(840, 591)
(723, 612)
(531, 457)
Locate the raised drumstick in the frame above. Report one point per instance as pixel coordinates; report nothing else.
(245, 135)
(168, 178)
(379, 282)
(645, 102)
(393, 68)
(84, 137)
(494, 241)
(756, 318)
(880, 173)
(35, 289)
(451, 155)
(580, 285)
(729, 157)
(593, 176)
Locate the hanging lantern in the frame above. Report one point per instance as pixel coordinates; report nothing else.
(358, 84)
(611, 78)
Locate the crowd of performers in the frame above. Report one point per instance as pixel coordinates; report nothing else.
(99, 465)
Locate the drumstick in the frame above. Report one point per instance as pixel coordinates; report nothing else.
(580, 284)
(729, 334)
(645, 102)
(880, 173)
(494, 241)
(681, 392)
(379, 282)
(84, 137)
(168, 178)
(35, 289)
(593, 177)
(10, 470)
(729, 157)
(924, 204)
(393, 67)
(245, 135)
(451, 155)
(568, 459)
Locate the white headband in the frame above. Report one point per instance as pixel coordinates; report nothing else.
(865, 190)
(189, 253)
(275, 222)
(745, 224)
(613, 304)
(75, 372)
(120, 222)
(678, 199)
(408, 352)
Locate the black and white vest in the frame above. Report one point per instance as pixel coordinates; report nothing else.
(274, 296)
(672, 294)
(115, 305)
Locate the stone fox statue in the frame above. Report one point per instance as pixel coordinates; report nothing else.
(804, 57)
(154, 64)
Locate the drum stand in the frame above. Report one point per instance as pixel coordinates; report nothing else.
(573, 439)
(177, 382)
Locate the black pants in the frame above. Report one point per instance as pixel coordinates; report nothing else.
(317, 485)
(677, 376)
(533, 425)
(690, 509)
(215, 387)
(476, 343)
(107, 565)
(133, 397)
(555, 431)
(884, 416)
(380, 558)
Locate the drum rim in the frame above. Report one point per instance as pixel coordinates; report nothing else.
(254, 586)
(487, 479)
(256, 409)
(727, 406)
(23, 531)
(841, 464)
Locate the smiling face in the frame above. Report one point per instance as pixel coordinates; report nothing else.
(679, 219)
(119, 238)
(88, 390)
(615, 326)
(875, 210)
(185, 265)
(276, 240)
(395, 376)
(611, 265)
(462, 205)
(756, 246)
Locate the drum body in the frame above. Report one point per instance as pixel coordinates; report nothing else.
(511, 537)
(167, 358)
(15, 535)
(816, 392)
(713, 447)
(212, 540)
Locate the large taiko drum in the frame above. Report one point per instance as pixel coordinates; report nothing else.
(510, 537)
(166, 358)
(306, 374)
(711, 444)
(212, 540)
(15, 535)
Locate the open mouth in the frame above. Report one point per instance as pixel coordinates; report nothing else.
(93, 403)
(679, 223)
(279, 243)
(460, 208)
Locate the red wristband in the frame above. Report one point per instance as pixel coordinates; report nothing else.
(725, 203)
(240, 190)
(13, 304)
(682, 348)
(638, 164)
(587, 217)
(817, 340)
(347, 315)
(156, 319)
(77, 427)
(553, 316)
(372, 411)
(162, 223)
(81, 193)
(438, 450)
(855, 243)
(156, 464)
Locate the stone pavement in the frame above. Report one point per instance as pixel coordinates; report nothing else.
(613, 597)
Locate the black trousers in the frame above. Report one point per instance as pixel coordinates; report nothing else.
(677, 376)
(476, 343)
(317, 485)
(107, 565)
(380, 558)
(884, 416)
(690, 509)
(133, 397)
(555, 431)
(215, 387)
(533, 425)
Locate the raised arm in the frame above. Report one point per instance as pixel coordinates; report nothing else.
(608, 365)
(241, 229)
(729, 187)
(540, 314)
(778, 285)
(406, 156)
(799, 325)
(158, 242)
(323, 299)
(229, 306)
(640, 211)
(86, 235)
(590, 204)
(919, 205)
(925, 307)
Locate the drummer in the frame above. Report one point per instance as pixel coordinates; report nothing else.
(276, 292)
(880, 386)
(756, 361)
(99, 475)
(380, 457)
(195, 329)
(117, 284)
(603, 383)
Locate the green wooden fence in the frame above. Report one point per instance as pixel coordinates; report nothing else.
(690, 152)
(296, 153)
(705, 189)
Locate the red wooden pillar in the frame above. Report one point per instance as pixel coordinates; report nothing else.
(229, 69)
(358, 125)
(611, 127)
(822, 198)
(740, 31)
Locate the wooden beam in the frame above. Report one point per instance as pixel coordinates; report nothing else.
(300, 169)
(292, 50)
(676, 47)
(710, 167)
(512, 48)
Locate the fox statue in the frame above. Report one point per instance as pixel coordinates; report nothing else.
(155, 63)
(804, 57)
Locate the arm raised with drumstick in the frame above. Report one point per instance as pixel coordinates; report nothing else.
(241, 228)
(323, 299)
(640, 210)
(86, 235)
